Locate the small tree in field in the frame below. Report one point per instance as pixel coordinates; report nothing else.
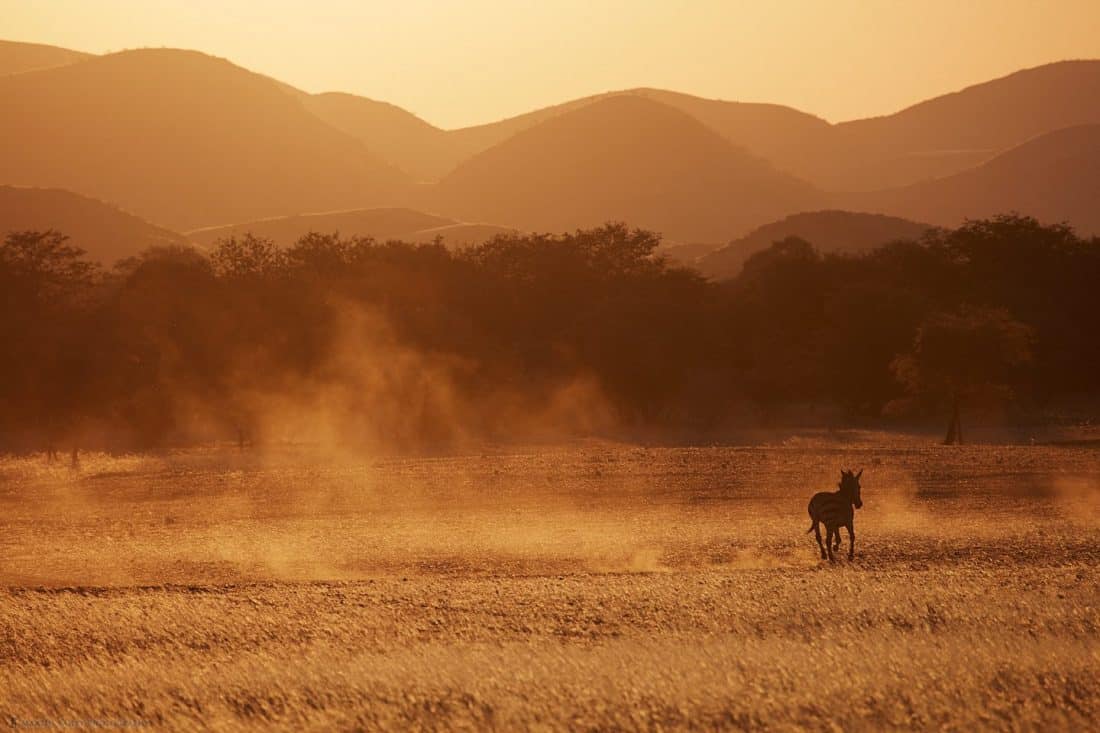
(972, 355)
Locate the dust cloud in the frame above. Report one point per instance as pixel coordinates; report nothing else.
(374, 393)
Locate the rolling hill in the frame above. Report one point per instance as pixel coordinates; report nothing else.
(381, 224)
(828, 231)
(16, 57)
(1053, 177)
(182, 139)
(952, 132)
(428, 152)
(771, 131)
(622, 158)
(187, 140)
(937, 137)
(105, 232)
(400, 138)
(424, 151)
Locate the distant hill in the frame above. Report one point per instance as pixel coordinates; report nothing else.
(407, 142)
(763, 129)
(187, 140)
(1053, 177)
(104, 231)
(404, 140)
(623, 158)
(182, 139)
(935, 138)
(770, 131)
(428, 152)
(828, 231)
(398, 137)
(381, 224)
(16, 57)
(953, 132)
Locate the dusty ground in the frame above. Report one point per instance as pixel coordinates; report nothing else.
(590, 586)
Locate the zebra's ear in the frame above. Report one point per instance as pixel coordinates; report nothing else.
(860, 473)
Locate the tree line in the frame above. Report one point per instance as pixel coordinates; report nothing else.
(415, 342)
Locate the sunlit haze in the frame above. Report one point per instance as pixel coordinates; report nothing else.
(460, 63)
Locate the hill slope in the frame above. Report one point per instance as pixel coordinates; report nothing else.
(1053, 177)
(771, 131)
(429, 153)
(188, 140)
(181, 138)
(105, 232)
(828, 231)
(622, 158)
(938, 137)
(16, 57)
(953, 132)
(407, 142)
(395, 135)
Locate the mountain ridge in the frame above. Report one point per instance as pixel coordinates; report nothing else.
(612, 160)
(189, 140)
(183, 139)
(17, 57)
(1054, 177)
(830, 155)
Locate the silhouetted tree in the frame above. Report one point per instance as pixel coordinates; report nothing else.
(45, 286)
(174, 337)
(775, 309)
(247, 256)
(170, 336)
(973, 354)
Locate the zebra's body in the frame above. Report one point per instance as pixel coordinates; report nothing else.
(836, 509)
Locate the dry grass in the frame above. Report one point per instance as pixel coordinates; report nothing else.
(585, 586)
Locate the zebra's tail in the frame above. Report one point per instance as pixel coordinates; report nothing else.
(811, 529)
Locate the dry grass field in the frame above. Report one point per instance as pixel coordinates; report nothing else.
(585, 586)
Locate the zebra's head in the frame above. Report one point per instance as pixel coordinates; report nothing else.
(849, 484)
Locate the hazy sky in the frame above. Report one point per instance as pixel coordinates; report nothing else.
(459, 62)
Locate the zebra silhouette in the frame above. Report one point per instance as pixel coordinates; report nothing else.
(835, 509)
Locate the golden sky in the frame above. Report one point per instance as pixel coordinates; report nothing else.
(460, 62)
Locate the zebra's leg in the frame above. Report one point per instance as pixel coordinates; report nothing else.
(851, 540)
(817, 531)
(829, 540)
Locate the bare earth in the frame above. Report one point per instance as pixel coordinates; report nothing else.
(583, 586)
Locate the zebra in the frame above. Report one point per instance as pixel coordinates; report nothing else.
(834, 510)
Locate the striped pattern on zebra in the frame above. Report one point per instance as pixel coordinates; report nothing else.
(836, 509)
